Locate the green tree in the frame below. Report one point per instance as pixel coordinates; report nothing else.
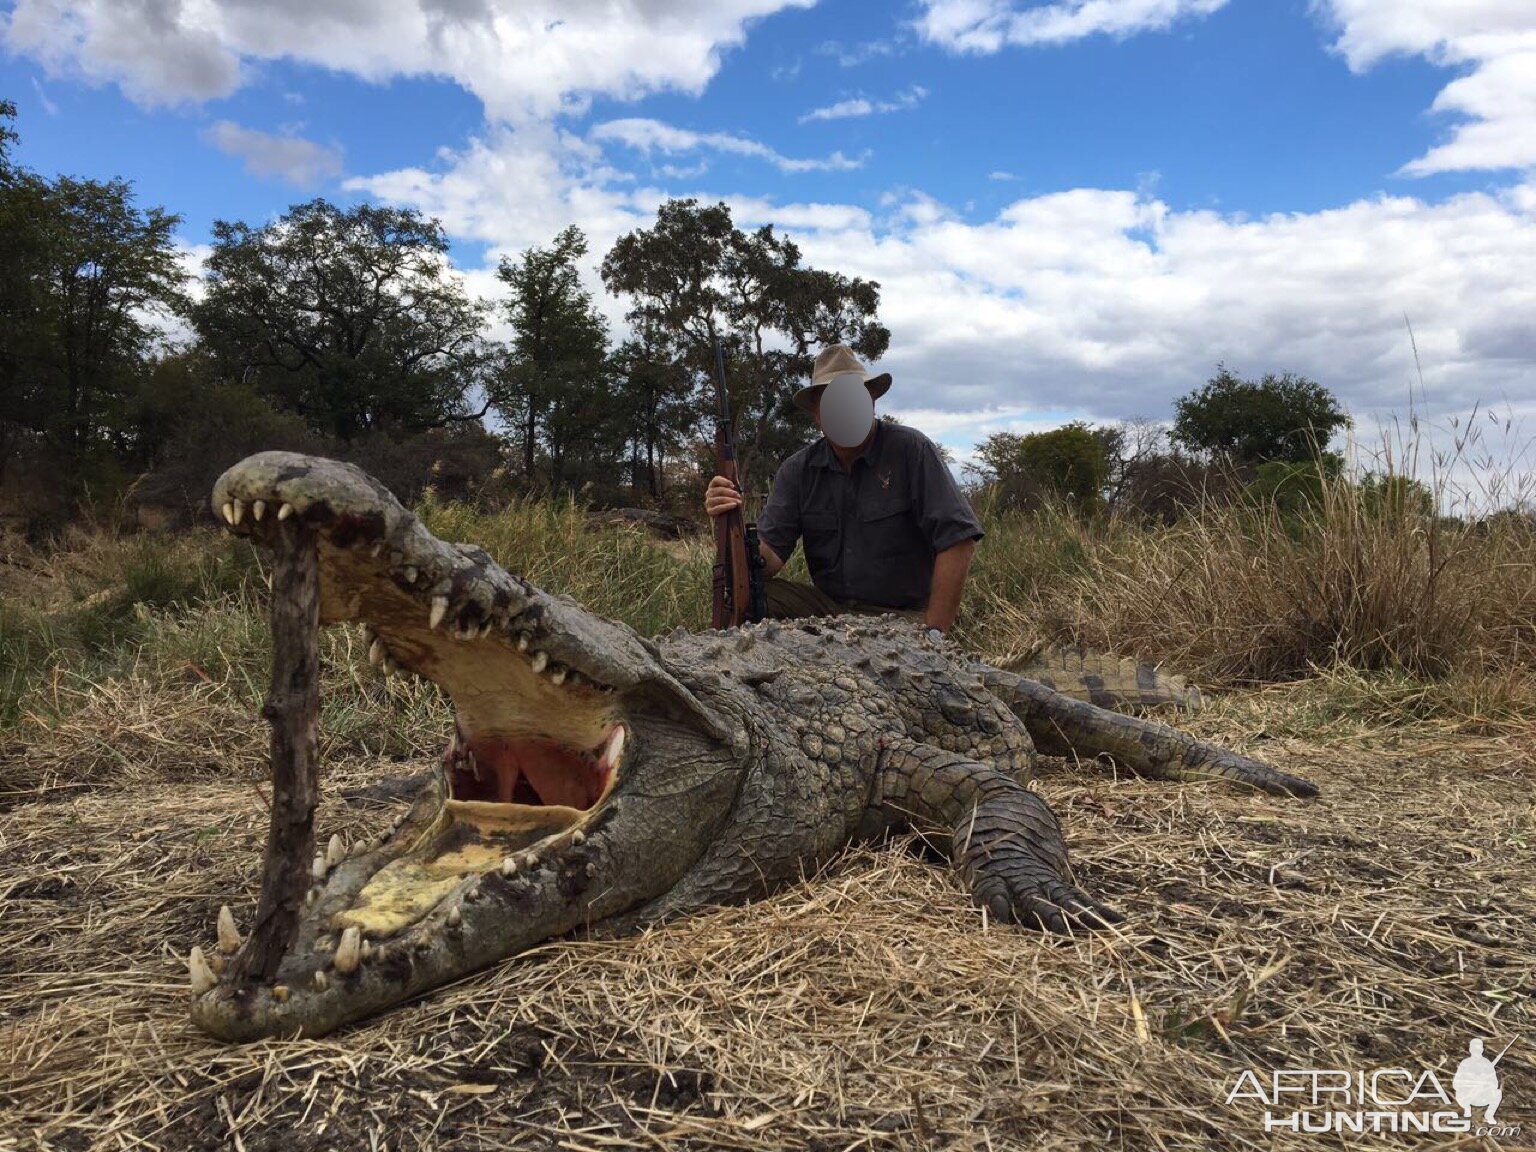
(85, 276)
(1070, 463)
(1278, 418)
(555, 385)
(656, 396)
(350, 318)
(695, 277)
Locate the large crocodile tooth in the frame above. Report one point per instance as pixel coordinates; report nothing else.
(285, 511)
(229, 935)
(322, 981)
(540, 659)
(229, 512)
(335, 851)
(202, 975)
(578, 836)
(377, 653)
(531, 861)
(455, 917)
(317, 868)
(509, 866)
(258, 509)
(239, 511)
(522, 642)
(439, 611)
(557, 674)
(350, 951)
(615, 748)
(410, 573)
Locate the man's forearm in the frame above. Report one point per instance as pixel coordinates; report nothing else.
(771, 561)
(950, 568)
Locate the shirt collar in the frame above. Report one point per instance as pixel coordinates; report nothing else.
(823, 457)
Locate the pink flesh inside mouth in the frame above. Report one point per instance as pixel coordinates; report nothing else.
(532, 770)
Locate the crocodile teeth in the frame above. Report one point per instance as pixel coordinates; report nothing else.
(578, 836)
(410, 574)
(366, 952)
(285, 511)
(455, 917)
(540, 660)
(509, 866)
(349, 951)
(439, 611)
(377, 653)
(229, 513)
(317, 868)
(202, 975)
(280, 993)
(258, 509)
(522, 643)
(558, 675)
(229, 935)
(335, 851)
(531, 860)
(239, 511)
(485, 629)
(615, 749)
(322, 982)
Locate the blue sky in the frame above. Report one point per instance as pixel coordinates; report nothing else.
(1076, 208)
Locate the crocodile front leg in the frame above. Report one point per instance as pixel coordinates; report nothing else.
(1061, 726)
(1002, 837)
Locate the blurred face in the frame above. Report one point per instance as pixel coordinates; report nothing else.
(845, 410)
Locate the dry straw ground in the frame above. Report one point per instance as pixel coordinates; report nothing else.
(1382, 925)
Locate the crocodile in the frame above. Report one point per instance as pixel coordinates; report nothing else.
(598, 781)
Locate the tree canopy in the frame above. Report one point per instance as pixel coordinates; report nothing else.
(1284, 417)
(693, 277)
(351, 318)
(85, 273)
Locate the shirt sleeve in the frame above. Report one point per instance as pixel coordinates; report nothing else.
(943, 511)
(778, 525)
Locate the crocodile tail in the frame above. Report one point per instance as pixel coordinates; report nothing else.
(1106, 680)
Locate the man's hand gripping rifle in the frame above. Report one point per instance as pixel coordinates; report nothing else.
(738, 583)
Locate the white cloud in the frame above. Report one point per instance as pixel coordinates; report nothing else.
(648, 136)
(270, 155)
(1001, 176)
(852, 55)
(860, 106)
(522, 58)
(986, 26)
(1492, 42)
(1100, 303)
(48, 105)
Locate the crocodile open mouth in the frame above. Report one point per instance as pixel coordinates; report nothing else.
(532, 771)
(510, 834)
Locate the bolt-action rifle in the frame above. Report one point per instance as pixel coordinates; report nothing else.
(738, 581)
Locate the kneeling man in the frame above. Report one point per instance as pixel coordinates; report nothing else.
(885, 526)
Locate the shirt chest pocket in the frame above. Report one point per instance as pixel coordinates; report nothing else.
(821, 534)
(885, 522)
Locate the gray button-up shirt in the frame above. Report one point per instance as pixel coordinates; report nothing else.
(870, 534)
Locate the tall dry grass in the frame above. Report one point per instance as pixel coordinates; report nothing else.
(1373, 581)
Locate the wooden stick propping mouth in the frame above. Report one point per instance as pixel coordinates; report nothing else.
(293, 710)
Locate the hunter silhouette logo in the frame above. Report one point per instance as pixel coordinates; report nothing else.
(1476, 1083)
(885, 478)
(1320, 1100)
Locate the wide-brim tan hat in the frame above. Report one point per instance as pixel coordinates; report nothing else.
(834, 360)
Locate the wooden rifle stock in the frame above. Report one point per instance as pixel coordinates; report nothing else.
(732, 599)
(737, 594)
